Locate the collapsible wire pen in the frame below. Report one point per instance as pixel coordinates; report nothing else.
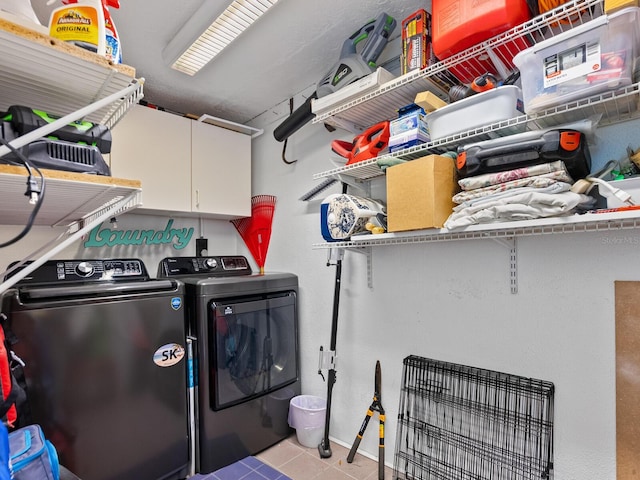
(462, 423)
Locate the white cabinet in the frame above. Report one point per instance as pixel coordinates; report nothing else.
(221, 171)
(185, 166)
(155, 147)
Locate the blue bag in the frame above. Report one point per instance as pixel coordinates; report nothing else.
(5, 472)
(33, 457)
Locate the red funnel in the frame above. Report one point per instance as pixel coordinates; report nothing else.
(256, 229)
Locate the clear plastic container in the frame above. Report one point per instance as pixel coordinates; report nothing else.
(477, 111)
(587, 60)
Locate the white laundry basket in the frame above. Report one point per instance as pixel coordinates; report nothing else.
(307, 414)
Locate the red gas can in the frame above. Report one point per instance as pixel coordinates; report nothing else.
(461, 24)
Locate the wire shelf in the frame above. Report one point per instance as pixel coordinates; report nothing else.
(382, 103)
(50, 75)
(609, 107)
(590, 222)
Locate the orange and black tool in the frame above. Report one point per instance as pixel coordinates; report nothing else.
(376, 406)
(370, 142)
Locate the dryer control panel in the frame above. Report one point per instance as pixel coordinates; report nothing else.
(211, 266)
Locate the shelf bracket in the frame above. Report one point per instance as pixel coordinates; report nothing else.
(512, 245)
(367, 252)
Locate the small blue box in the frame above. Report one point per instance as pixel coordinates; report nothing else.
(409, 129)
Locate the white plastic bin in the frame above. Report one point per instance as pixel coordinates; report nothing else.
(307, 414)
(479, 110)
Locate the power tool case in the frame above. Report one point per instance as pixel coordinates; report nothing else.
(75, 148)
(525, 149)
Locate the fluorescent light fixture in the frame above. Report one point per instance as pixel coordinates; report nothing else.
(188, 52)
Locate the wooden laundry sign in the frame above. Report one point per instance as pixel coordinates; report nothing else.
(106, 237)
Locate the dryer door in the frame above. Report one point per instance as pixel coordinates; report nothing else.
(253, 347)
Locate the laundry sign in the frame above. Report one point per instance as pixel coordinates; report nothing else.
(106, 237)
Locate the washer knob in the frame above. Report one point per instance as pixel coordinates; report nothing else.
(84, 269)
(210, 263)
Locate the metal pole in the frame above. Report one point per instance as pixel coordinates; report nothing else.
(325, 448)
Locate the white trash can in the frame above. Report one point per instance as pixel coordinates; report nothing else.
(307, 414)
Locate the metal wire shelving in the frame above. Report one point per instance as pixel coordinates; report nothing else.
(66, 81)
(606, 108)
(383, 102)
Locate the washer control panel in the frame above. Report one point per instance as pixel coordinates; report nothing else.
(57, 271)
(211, 266)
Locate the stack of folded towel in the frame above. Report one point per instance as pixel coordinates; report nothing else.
(521, 194)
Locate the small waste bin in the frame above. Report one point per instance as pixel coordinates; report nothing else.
(307, 414)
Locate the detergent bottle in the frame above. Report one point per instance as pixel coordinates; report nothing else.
(83, 23)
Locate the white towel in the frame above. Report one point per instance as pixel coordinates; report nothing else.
(525, 205)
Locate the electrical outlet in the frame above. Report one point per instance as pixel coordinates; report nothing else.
(202, 245)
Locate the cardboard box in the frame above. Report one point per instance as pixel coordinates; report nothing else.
(611, 6)
(409, 129)
(429, 101)
(419, 193)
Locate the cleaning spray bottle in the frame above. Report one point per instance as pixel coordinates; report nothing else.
(84, 24)
(113, 48)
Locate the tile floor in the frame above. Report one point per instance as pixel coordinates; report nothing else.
(289, 460)
(301, 463)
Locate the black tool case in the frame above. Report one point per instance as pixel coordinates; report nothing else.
(526, 149)
(74, 148)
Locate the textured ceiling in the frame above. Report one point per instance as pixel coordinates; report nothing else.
(283, 53)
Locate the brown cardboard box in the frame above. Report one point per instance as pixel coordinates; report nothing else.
(419, 193)
(611, 6)
(429, 101)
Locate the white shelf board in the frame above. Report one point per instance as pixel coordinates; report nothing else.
(68, 197)
(40, 72)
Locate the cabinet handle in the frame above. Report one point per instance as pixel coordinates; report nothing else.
(197, 197)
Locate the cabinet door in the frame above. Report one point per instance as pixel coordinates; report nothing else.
(155, 147)
(221, 168)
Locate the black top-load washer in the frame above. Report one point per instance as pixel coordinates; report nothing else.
(106, 368)
(246, 341)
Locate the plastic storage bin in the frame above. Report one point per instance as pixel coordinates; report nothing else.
(479, 110)
(461, 24)
(307, 415)
(589, 59)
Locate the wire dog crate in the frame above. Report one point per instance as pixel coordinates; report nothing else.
(464, 423)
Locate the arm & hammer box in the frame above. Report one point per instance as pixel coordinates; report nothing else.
(419, 193)
(409, 129)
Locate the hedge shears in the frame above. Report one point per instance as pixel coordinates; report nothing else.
(376, 406)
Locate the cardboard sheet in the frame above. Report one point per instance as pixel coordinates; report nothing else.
(627, 380)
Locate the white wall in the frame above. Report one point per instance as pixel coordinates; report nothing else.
(222, 236)
(451, 301)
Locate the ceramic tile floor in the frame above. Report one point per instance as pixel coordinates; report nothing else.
(302, 463)
(288, 460)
